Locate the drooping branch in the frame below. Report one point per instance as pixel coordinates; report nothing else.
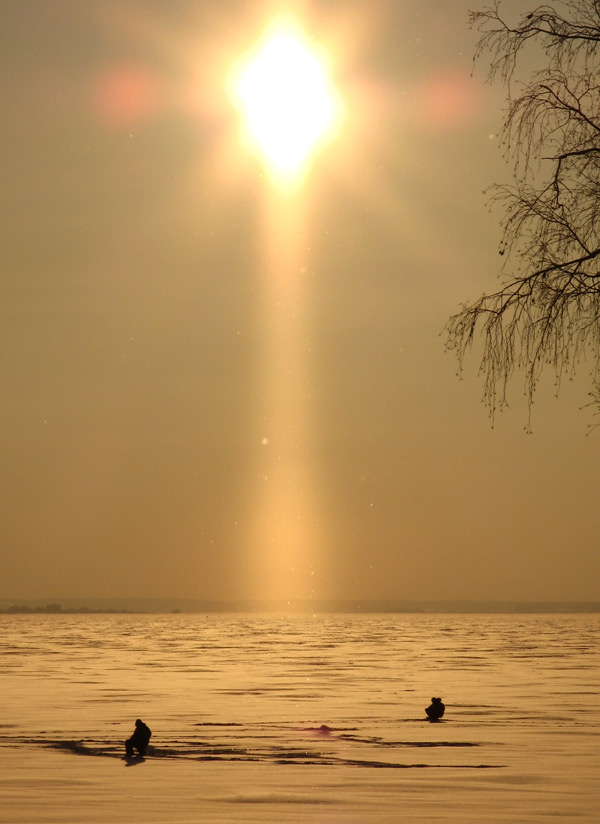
(547, 311)
(563, 38)
(551, 317)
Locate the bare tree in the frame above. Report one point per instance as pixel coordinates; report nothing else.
(546, 312)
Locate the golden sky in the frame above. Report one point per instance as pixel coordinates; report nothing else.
(218, 387)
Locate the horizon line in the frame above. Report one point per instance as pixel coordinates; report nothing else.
(321, 605)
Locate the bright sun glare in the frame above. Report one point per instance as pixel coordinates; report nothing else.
(287, 101)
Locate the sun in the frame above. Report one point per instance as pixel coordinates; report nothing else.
(288, 104)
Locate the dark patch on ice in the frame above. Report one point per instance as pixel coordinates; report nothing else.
(217, 724)
(388, 765)
(264, 748)
(79, 748)
(379, 742)
(291, 755)
(278, 798)
(231, 758)
(396, 766)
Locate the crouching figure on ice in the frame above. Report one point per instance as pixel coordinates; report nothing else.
(139, 740)
(435, 710)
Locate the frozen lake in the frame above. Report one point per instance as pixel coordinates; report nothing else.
(236, 705)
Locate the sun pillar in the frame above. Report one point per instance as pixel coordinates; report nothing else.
(285, 534)
(288, 112)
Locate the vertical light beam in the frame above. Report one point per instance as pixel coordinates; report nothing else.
(287, 546)
(289, 111)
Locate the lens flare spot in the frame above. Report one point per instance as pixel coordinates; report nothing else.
(448, 100)
(125, 95)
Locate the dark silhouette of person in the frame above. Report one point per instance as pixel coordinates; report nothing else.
(435, 710)
(139, 740)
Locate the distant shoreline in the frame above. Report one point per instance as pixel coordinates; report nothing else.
(322, 607)
(58, 609)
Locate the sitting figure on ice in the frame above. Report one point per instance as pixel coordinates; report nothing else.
(139, 740)
(435, 710)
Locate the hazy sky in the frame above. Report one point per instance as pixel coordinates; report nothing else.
(215, 390)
